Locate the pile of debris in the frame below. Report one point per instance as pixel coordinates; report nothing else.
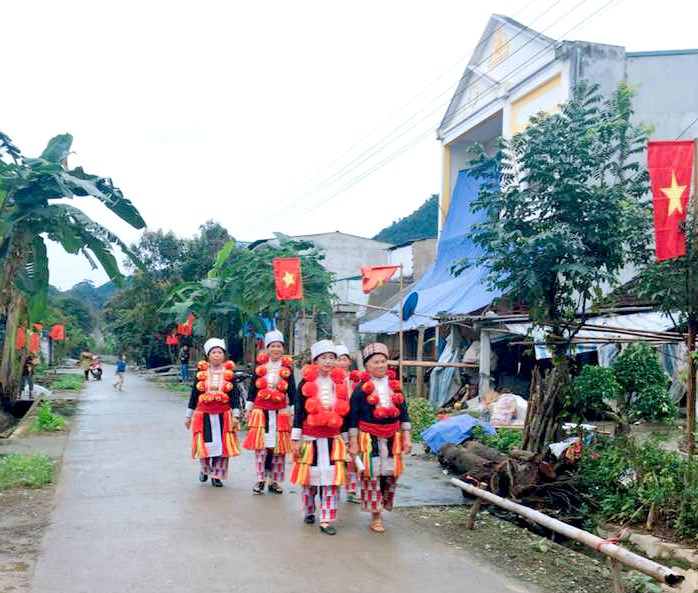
(521, 476)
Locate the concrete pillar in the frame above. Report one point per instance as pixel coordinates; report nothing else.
(345, 326)
(304, 335)
(485, 357)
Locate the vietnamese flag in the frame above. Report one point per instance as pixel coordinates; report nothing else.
(287, 278)
(670, 165)
(57, 333)
(186, 329)
(376, 276)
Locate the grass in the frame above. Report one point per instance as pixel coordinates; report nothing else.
(176, 387)
(69, 382)
(22, 470)
(47, 420)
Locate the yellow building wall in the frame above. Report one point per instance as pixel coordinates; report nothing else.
(535, 96)
(446, 185)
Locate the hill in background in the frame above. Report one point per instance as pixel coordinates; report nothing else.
(423, 223)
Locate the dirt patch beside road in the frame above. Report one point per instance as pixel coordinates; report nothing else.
(515, 551)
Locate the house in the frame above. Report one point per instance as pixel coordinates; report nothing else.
(514, 73)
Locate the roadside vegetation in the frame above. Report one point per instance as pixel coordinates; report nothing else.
(47, 420)
(22, 470)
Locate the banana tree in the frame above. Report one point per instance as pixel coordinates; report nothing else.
(31, 211)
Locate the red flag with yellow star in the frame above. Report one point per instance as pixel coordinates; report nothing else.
(670, 166)
(287, 277)
(376, 276)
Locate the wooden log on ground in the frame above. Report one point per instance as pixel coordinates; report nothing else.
(484, 451)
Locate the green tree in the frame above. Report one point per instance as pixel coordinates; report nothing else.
(30, 212)
(421, 224)
(564, 213)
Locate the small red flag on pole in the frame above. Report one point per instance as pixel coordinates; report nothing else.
(21, 339)
(670, 165)
(34, 343)
(376, 276)
(57, 333)
(287, 278)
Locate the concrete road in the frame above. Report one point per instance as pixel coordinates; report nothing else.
(131, 516)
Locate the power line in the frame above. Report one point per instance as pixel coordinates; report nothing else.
(406, 147)
(342, 172)
(688, 127)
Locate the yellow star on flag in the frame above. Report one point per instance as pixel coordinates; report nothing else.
(674, 193)
(289, 279)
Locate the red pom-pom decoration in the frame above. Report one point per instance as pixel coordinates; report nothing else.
(313, 405)
(334, 420)
(278, 397)
(395, 385)
(264, 393)
(392, 375)
(392, 411)
(201, 386)
(260, 371)
(341, 407)
(201, 376)
(318, 419)
(310, 389)
(282, 386)
(229, 375)
(287, 361)
(228, 386)
(261, 383)
(368, 387)
(398, 398)
(229, 365)
(309, 372)
(379, 412)
(262, 358)
(341, 391)
(373, 399)
(365, 376)
(355, 376)
(202, 365)
(285, 373)
(338, 375)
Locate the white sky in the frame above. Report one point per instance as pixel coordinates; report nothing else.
(223, 110)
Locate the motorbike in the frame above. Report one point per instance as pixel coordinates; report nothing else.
(96, 368)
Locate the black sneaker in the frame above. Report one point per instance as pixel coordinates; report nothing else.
(202, 477)
(328, 529)
(216, 483)
(309, 519)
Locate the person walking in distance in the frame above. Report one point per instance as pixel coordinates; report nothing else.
(344, 362)
(120, 372)
(184, 364)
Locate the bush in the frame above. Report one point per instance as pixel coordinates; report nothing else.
(622, 482)
(46, 420)
(644, 383)
(422, 415)
(20, 469)
(591, 387)
(505, 440)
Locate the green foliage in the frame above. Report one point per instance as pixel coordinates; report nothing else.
(46, 420)
(590, 388)
(621, 480)
(68, 382)
(645, 384)
(505, 440)
(564, 207)
(641, 583)
(421, 224)
(22, 470)
(422, 415)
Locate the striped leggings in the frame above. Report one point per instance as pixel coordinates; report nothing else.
(266, 463)
(328, 502)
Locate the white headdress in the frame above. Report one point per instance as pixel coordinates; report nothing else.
(341, 350)
(321, 347)
(213, 343)
(273, 336)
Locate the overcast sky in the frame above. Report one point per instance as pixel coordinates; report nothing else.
(225, 110)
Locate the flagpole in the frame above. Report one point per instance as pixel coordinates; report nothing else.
(691, 341)
(401, 329)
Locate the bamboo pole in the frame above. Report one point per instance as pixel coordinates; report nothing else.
(420, 355)
(429, 364)
(402, 337)
(692, 313)
(657, 571)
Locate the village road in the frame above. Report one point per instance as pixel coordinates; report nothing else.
(131, 516)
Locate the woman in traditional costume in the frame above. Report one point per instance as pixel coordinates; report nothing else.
(319, 436)
(268, 413)
(344, 362)
(379, 432)
(213, 413)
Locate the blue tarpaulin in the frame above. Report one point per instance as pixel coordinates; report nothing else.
(439, 291)
(453, 430)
